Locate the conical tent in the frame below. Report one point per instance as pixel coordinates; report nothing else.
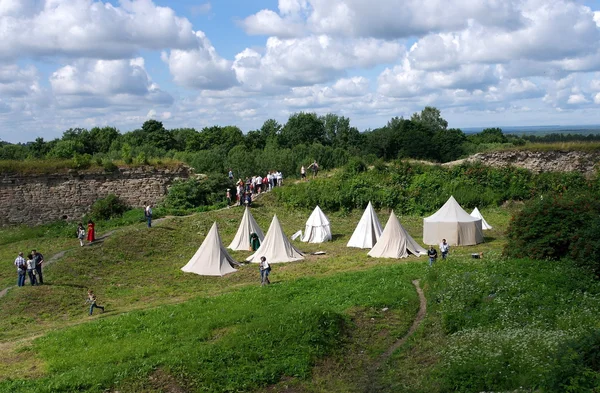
(241, 241)
(276, 247)
(454, 224)
(477, 214)
(395, 242)
(367, 231)
(212, 258)
(317, 228)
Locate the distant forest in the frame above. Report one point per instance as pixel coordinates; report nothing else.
(329, 139)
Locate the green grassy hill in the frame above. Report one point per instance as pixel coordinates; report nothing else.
(324, 325)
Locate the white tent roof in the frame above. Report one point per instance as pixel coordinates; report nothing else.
(477, 214)
(317, 228)
(241, 241)
(276, 247)
(212, 258)
(367, 231)
(395, 242)
(450, 212)
(454, 224)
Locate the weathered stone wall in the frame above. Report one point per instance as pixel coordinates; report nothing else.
(37, 199)
(541, 161)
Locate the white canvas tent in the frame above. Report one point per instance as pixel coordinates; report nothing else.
(276, 247)
(395, 242)
(241, 241)
(367, 231)
(317, 228)
(477, 214)
(454, 224)
(212, 258)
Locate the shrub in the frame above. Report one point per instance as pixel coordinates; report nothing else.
(577, 365)
(142, 159)
(107, 208)
(585, 248)
(355, 165)
(545, 227)
(192, 193)
(109, 166)
(82, 161)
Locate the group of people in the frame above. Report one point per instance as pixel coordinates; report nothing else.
(244, 190)
(91, 233)
(432, 252)
(31, 267)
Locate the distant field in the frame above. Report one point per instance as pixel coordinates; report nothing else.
(541, 130)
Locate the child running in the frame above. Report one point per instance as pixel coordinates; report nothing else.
(92, 300)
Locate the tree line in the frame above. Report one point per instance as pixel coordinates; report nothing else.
(330, 140)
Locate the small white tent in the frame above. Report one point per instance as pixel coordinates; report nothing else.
(454, 224)
(276, 247)
(477, 214)
(317, 228)
(395, 242)
(212, 258)
(367, 231)
(241, 241)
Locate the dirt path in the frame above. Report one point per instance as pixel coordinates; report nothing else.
(418, 320)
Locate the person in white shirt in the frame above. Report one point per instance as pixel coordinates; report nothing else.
(265, 269)
(279, 179)
(444, 248)
(148, 214)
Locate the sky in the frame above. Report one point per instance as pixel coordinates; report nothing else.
(187, 63)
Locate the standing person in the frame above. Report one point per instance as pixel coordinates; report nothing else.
(279, 179)
(432, 254)
(265, 269)
(315, 168)
(302, 173)
(21, 269)
(92, 300)
(228, 196)
(444, 248)
(148, 214)
(230, 174)
(91, 237)
(31, 270)
(80, 233)
(259, 182)
(38, 260)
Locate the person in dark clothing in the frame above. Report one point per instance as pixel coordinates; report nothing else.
(38, 260)
(432, 254)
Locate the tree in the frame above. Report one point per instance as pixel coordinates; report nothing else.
(102, 138)
(431, 118)
(449, 144)
(304, 128)
(156, 135)
(489, 135)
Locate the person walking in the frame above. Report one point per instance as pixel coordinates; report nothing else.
(148, 214)
(91, 233)
(230, 175)
(228, 196)
(302, 173)
(38, 260)
(80, 233)
(432, 254)
(31, 270)
(444, 249)
(93, 302)
(315, 168)
(265, 269)
(21, 265)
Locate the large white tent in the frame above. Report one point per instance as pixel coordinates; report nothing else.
(212, 258)
(395, 242)
(477, 214)
(276, 247)
(317, 228)
(367, 231)
(241, 241)
(454, 224)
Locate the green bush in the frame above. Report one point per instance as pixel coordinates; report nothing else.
(107, 208)
(545, 227)
(82, 161)
(192, 193)
(585, 247)
(109, 166)
(577, 365)
(355, 165)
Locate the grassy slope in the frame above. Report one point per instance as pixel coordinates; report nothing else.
(138, 269)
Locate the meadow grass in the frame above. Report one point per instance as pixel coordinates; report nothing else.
(492, 324)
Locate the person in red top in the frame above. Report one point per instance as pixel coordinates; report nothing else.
(91, 234)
